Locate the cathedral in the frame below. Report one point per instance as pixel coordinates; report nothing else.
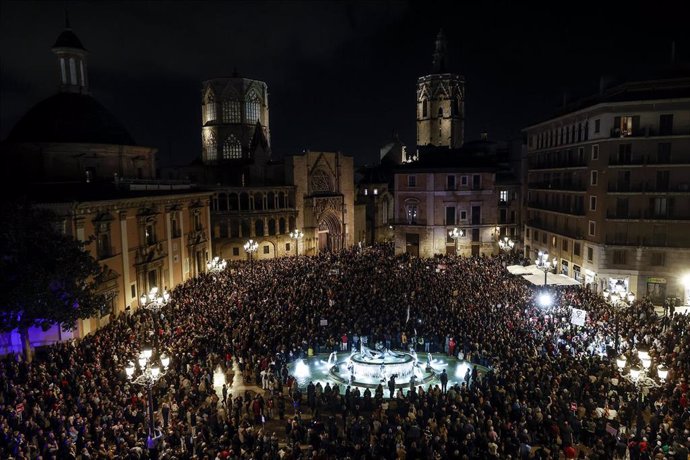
(453, 196)
(70, 155)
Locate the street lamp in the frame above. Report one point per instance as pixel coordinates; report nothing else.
(506, 244)
(216, 265)
(618, 301)
(456, 234)
(544, 263)
(153, 301)
(250, 247)
(150, 374)
(296, 235)
(640, 375)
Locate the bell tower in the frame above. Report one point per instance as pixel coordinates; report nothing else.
(441, 103)
(71, 54)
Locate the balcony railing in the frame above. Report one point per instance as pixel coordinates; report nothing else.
(574, 210)
(569, 232)
(555, 163)
(647, 215)
(647, 187)
(574, 187)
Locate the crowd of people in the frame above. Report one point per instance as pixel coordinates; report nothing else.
(551, 389)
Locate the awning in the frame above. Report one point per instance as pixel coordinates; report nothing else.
(535, 275)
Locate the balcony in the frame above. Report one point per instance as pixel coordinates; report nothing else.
(572, 210)
(106, 252)
(559, 230)
(648, 187)
(558, 163)
(557, 186)
(646, 215)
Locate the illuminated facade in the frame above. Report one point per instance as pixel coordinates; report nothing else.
(70, 155)
(608, 189)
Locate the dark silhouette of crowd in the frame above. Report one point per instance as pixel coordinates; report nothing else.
(541, 387)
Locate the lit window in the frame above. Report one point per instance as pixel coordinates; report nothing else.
(376, 191)
(232, 148)
(232, 112)
(503, 195)
(411, 213)
(252, 105)
(210, 109)
(211, 147)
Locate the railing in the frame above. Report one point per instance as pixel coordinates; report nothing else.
(551, 164)
(647, 215)
(648, 187)
(570, 233)
(576, 187)
(574, 210)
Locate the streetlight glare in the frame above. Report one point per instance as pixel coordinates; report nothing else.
(545, 299)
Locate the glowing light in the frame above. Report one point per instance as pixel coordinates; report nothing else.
(663, 372)
(621, 362)
(302, 370)
(218, 378)
(545, 300)
(635, 373)
(686, 280)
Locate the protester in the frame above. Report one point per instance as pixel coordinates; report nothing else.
(550, 388)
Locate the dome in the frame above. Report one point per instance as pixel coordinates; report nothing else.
(67, 39)
(70, 117)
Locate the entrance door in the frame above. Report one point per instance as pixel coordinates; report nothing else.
(323, 241)
(475, 250)
(412, 244)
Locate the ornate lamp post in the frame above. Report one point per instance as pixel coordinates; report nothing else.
(250, 247)
(216, 265)
(545, 264)
(153, 301)
(506, 244)
(296, 235)
(618, 301)
(456, 234)
(150, 373)
(640, 375)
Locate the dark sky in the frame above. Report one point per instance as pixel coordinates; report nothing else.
(341, 75)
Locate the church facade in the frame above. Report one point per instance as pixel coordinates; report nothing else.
(69, 154)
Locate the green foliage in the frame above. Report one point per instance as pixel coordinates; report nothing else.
(46, 277)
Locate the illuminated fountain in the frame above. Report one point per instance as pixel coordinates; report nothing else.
(368, 368)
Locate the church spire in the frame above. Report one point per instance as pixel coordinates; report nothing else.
(440, 59)
(71, 54)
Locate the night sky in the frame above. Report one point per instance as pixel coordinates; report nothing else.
(341, 75)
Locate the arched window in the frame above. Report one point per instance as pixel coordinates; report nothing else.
(292, 223)
(244, 202)
(425, 109)
(222, 202)
(259, 201)
(259, 227)
(321, 182)
(272, 227)
(440, 112)
(210, 146)
(232, 112)
(233, 201)
(252, 106)
(232, 148)
(271, 200)
(281, 226)
(210, 108)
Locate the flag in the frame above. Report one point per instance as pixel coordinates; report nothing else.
(408, 314)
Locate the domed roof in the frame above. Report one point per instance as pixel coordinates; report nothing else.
(67, 39)
(70, 117)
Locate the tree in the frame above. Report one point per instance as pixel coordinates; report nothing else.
(46, 278)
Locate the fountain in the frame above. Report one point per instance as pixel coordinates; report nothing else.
(368, 368)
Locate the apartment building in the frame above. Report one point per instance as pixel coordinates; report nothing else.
(608, 189)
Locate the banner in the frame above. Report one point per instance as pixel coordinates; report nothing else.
(578, 317)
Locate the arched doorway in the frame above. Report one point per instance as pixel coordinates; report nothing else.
(330, 233)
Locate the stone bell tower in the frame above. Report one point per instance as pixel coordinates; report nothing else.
(441, 103)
